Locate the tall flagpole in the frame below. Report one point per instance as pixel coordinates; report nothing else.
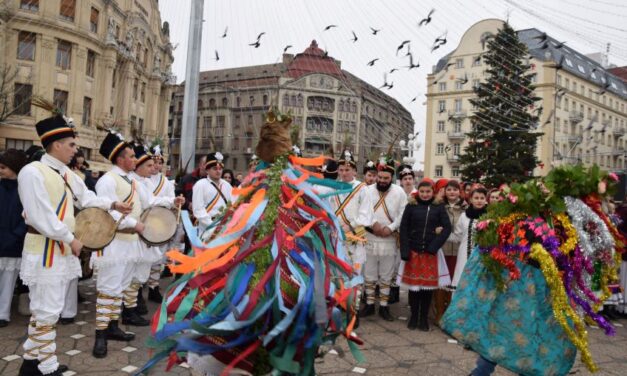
(192, 75)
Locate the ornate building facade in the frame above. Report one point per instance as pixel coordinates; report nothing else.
(101, 61)
(331, 109)
(584, 117)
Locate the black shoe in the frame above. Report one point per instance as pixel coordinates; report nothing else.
(368, 310)
(131, 317)
(66, 320)
(100, 346)
(412, 324)
(114, 333)
(141, 303)
(154, 295)
(3, 323)
(423, 328)
(384, 312)
(395, 293)
(29, 368)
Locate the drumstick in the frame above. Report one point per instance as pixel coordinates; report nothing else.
(178, 212)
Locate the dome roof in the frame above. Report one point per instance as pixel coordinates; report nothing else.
(313, 60)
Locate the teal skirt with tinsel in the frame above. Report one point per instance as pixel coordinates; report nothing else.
(514, 328)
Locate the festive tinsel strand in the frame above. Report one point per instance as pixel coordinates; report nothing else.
(570, 241)
(561, 308)
(594, 203)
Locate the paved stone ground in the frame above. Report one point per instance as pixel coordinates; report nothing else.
(390, 349)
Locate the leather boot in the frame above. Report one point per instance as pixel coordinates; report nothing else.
(141, 303)
(368, 310)
(114, 333)
(130, 317)
(412, 298)
(29, 368)
(100, 346)
(385, 314)
(424, 299)
(154, 295)
(395, 292)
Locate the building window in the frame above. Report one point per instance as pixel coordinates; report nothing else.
(459, 63)
(238, 101)
(559, 79)
(206, 127)
(442, 106)
(458, 105)
(66, 12)
(142, 96)
(442, 86)
(135, 89)
(212, 103)
(60, 100)
(225, 102)
(26, 45)
(249, 120)
(476, 84)
(18, 144)
(476, 61)
(286, 100)
(32, 5)
(439, 148)
(438, 171)
(21, 99)
(140, 126)
(265, 100)
(64, 54)
(91, 63)
(457, 126)
(456, 149)
(441, 126)
(455, 172)
(86, 112)
(237, 122)
(114, 78)
(93, 20)
(459, 85)
(251, 100)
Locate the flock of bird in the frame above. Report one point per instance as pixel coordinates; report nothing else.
(406, 44)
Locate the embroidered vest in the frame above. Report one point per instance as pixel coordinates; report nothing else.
(61, 201)
(127, 192)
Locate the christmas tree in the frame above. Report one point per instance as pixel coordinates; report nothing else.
(502, 141)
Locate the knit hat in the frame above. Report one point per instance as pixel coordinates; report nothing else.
(112, 145)
(14, 159)
(426, 182)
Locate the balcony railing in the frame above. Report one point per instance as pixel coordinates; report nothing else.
(576, 116)
(457, 113)
(619, 132)
(573, 138)
(453, 159)
(456, 135)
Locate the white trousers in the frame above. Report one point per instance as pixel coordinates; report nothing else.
(113, 279)
(7, 285)
(70, 308)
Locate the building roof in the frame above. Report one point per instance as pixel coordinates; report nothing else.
(572, 61)
(620, 72)
(313, 60)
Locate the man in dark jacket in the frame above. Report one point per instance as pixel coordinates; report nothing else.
(186, 185)
(12, 229)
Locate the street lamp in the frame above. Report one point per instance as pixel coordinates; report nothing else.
(411, 146)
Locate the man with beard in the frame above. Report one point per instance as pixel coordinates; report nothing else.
(388, 202)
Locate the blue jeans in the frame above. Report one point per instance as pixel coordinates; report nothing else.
(484, 367)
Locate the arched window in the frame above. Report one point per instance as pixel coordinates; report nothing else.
(354, 107)
(225, 102)
(212, 103)
(293, 101)
(200, 104)
(286, 100)
(238, 101)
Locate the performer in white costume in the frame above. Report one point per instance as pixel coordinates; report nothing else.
(116, 264)
(388, 202)
(212, 194)
(49, 190)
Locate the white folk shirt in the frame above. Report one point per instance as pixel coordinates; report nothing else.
(207, 201)
(38, 211)
(106, 187)
(356, 208)
(389, 211)
(161, 186)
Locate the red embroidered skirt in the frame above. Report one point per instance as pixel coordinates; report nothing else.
(421, 270)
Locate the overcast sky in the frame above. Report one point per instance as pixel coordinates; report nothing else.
(587, 26)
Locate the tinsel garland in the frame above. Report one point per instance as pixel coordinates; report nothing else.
(570, 234)
(594, 203)
(583, 218)
(561, 307)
